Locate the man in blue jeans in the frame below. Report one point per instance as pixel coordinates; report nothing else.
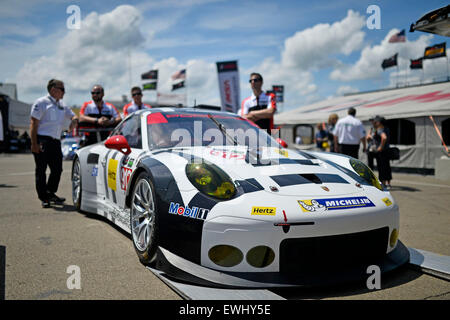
(48, 119)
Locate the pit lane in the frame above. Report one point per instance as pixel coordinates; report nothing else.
(38, 245)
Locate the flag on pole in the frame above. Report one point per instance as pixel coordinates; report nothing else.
(389, 62)
(278, 90)
(416, 64)
(178, 85)
(149, 86)
(398, 37)
(151, 75)
(179, 75)
(436, 51)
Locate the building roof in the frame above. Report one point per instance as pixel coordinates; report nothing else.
(416, 101)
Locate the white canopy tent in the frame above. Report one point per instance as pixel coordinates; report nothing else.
(407, 109)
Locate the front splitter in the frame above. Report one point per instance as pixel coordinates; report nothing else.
(183, 270)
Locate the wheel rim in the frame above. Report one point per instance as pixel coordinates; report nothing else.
(142, 215)
(76, 182)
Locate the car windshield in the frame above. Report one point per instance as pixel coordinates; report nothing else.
(168, 130)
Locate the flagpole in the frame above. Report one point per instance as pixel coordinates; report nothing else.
(397, 77)
(448, 77)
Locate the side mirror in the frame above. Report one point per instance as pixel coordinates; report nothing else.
(282, 143)
(118, 143)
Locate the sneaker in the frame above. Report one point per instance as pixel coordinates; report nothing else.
(46, 204)
(54, 198)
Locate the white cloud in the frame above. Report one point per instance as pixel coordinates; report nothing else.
(99, 52)
(369, 64)
(309, 49)
(342, 90)
(314, 47)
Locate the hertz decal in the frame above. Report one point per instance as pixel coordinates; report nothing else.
(263, 211)
(112, 170)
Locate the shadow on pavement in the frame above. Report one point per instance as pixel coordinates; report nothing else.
(403, 188)
(389, 280)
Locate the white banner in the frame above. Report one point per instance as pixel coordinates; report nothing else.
(230, 94)
(171, 98)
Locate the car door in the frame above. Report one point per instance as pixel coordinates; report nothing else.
(117, 170)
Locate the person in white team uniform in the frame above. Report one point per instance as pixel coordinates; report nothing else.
(48, 119)
(136, 104)
(98, 114)
(259, 107)
(348, 133)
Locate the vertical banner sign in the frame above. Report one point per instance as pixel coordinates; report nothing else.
(279, 93)
(230, 94)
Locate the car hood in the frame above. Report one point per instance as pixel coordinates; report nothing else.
(288, 171)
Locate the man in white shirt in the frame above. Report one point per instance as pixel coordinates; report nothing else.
(348, 133)
(48, 118)
(136, 104)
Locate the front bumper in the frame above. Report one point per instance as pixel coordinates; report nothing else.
(182, 269)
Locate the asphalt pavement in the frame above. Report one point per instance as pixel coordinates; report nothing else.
(58, 253)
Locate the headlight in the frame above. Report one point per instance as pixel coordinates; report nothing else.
(210, 180)
(365, 173)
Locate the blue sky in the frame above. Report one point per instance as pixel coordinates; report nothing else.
(316, 49)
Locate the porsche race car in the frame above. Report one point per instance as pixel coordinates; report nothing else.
(210, 198)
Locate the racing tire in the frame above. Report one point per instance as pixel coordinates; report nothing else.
(144, 219)
(76, 183)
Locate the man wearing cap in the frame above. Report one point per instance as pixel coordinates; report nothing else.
(348, 133)
(48, 118)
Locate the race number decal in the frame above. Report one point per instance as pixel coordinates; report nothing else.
(125, 174)
(112, 169)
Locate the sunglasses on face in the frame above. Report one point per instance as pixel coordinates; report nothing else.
(61, 88)
(137, 94)
(254, 80)
(96, 92)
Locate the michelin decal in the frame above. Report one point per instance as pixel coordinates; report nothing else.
(321, 205)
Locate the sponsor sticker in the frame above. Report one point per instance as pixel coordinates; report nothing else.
(125, 174)
(228, 154)
(130, 162)
(282, 152)
(264, 211)
(194, 212)
(112, 169)
(321, 205)
(94, 172)
(387, 201)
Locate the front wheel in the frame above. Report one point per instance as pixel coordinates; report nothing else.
(144, 219)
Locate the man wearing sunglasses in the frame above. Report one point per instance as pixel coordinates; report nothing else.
(259, 107)
(136, 104)
(48, 119)
(98, 114)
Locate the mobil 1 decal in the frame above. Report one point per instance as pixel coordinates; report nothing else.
(321, 205)
(193, 212)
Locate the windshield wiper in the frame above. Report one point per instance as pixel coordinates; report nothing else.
(223, 129)
(251, 152)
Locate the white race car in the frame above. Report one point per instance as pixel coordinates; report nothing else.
(210, 198)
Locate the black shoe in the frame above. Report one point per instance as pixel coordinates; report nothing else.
(55, 199)
(46, 204)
